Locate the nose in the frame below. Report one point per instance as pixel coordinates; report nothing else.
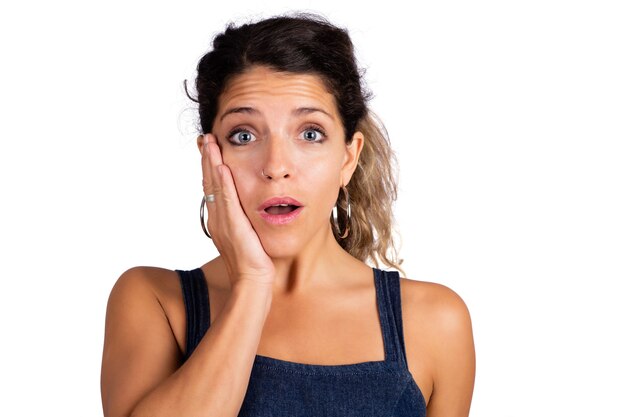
(277, 160)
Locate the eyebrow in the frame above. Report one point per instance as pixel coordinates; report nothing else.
(308, 110)
(297, 112)
(249, 110)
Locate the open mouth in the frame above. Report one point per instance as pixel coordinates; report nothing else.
(281, 209)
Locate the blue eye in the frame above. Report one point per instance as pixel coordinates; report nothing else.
(314, 134)
(240, 137)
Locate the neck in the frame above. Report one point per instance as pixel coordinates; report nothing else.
(322, 264)
(316, 265)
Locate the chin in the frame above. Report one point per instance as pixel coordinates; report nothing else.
(281, 245)
(287, 241)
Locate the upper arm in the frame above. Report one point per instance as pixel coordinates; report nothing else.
(452, 350)
(140, 349)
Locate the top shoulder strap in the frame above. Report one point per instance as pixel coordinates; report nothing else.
(390, 281)
(197, 308)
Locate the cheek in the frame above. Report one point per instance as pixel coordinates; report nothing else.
(322, 184)
(243, 177)
(316, 178)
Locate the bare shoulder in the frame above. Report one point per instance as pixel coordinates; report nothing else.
(145, 280)
(439, 346)
(435, 304)
(154, 293)
(144, 330)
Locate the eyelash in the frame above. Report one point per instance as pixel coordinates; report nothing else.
(308, 127)
(234, 132)
(318, 130)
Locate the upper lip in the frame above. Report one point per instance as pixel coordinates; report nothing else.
(279, 200)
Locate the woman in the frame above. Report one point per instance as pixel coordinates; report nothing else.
(289, 319)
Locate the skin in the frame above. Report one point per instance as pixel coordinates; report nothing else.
(323, 307)
(312, 173)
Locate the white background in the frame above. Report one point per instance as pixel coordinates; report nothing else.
(509, 120)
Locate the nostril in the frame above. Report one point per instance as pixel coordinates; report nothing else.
(264, 175)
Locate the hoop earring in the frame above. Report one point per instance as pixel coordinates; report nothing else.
(204, 229)
(334, 216)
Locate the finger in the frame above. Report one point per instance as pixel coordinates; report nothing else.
(229, 193)
(214, 155)
(210, 180)
(232, 210)
(211, 137)
(216, 152)
(210, 184)
(221, 205)
(207, 170)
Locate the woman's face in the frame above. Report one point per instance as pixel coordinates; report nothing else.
(286, 125)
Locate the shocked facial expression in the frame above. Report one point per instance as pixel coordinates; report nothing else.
(281, 136)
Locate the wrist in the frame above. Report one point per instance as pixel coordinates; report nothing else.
(251, 290)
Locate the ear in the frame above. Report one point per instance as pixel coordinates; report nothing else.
(200, 141)
(351, 159)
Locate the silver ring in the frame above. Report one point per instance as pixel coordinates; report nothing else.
(209, 198)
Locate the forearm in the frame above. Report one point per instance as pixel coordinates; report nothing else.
(213, 381)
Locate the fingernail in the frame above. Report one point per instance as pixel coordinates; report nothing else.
(206, 139)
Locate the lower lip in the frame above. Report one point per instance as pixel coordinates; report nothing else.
(281, 218)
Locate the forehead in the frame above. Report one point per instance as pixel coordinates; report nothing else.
(261, 85)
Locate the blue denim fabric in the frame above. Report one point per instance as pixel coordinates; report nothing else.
(282, 388)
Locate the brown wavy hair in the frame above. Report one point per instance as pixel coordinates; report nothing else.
(304, 43)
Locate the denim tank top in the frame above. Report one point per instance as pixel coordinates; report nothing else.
(284, 388)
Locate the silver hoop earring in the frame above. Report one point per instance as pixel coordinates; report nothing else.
(348, 214)
(211, 198)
